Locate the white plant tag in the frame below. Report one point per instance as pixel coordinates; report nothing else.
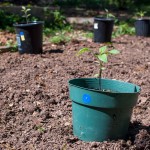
(95, 25)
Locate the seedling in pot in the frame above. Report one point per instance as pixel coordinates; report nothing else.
(141, 14)
(102, 58)
(108, 14)
(26, 15)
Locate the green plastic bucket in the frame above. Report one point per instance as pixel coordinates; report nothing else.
(98, 115)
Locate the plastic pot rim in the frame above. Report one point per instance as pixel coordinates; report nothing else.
(142, 19)
(103, 19)
(24, 24)
(95, 90)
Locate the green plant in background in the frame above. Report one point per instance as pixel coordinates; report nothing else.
(89, 35)
(102, 58)
(12, 45)
(54, 20)
(60, 38)
(26, 15)
(141, 14)
(122, 4)
(48, 31)
(122, 29)
(7, 19)
(59, 19)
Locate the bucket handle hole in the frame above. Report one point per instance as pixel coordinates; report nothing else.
(114, 116)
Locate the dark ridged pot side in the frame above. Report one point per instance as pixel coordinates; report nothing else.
(29, 37)
(142, 27)
(103, 28)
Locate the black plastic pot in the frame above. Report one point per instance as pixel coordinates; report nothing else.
(142, 27)
(29, 37)
(103, 28)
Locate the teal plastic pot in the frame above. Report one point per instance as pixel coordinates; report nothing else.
(99, 115)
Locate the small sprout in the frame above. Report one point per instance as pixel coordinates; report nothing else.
(102, 58)
(40, 128)
(108, 14)
(141, 14)
(26, 13)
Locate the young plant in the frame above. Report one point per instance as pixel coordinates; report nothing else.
(60, 38)
(141, 14)
(102, 58)
(108, 14)
(40, 128)
(26, 15)
(122, 29)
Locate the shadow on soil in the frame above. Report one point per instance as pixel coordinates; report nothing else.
(139, 135)
(54, 51)
(118, 42)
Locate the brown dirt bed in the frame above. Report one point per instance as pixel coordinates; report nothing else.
(35, 109)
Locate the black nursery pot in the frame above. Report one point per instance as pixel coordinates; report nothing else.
(29, 37)
(142, 27)
(103, 28)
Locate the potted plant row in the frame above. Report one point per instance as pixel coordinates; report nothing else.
(103, 26)
(101, 108)
(29, 34)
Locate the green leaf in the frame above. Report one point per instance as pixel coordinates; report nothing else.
(28, 9)
(114, 51)
(96, 75)
(111, 15)
(103, 49)
(103, 57)
(23, 7)
(83, 50)
(106, 10)
(103, 68)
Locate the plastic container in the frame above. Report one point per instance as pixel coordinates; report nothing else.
(29, 37)
(98, 115)
(103, 28)
(142, 27)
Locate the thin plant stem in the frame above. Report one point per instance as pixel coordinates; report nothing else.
(100, 75)
(26, 17)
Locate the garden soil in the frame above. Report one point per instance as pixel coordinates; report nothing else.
(35, 108)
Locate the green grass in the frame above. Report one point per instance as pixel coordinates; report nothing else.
(88, 35)
(59, 38)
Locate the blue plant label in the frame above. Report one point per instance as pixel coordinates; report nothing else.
(22, 36)
(86, 98)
